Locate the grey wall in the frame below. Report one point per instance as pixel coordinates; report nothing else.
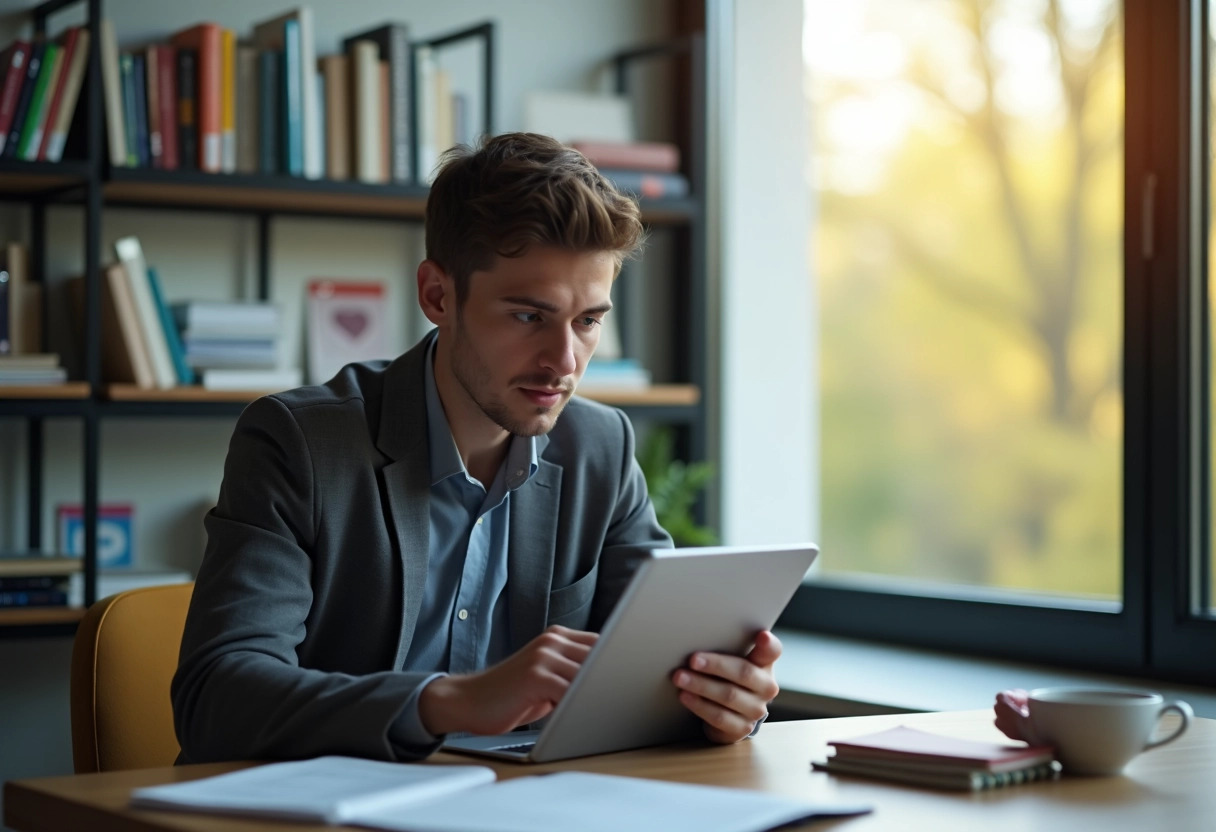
(169, 469)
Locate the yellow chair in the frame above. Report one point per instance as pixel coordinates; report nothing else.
(123, 660)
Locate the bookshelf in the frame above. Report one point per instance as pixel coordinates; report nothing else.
(97, 188)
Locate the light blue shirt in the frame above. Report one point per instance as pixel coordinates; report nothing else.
(462, 624)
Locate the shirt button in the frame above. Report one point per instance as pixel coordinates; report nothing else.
(480, 520)
(462, 615)
(520, 472)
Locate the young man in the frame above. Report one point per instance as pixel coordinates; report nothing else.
(428, 545)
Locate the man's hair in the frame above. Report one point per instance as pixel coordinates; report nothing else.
(518, 190)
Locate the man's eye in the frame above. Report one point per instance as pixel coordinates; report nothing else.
(527, 317)
(590, 322)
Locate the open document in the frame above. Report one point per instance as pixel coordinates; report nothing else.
(426, 798)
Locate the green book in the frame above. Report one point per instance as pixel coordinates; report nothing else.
(31, 132)
(126, 67)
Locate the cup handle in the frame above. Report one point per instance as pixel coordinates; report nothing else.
(1183, 710)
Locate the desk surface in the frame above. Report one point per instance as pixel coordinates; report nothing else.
(1168, 788)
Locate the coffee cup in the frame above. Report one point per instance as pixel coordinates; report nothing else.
(1097, 731)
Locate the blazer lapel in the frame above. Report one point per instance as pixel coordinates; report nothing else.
(403, 438)
(531, 549)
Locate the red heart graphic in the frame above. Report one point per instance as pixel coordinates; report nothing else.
(352, 321)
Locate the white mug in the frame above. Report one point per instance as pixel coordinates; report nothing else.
(1097, 731)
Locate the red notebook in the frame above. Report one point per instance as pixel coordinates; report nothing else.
(909, 745)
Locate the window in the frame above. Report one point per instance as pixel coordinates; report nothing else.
(1012, 274)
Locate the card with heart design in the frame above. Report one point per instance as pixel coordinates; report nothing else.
(345, 324)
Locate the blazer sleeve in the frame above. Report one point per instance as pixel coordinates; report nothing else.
(239, 691)
(633, 530)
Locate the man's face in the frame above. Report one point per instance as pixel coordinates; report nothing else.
(522, 339)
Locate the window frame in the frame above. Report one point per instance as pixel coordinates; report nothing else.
(1166, 411)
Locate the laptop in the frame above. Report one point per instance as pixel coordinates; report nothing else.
(679, 601)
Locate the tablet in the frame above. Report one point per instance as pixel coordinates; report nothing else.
(679, 601)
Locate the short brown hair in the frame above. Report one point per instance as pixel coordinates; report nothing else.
(517, 190)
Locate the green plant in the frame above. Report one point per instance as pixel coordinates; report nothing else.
(674, 486)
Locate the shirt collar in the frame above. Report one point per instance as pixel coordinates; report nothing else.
(519, 465)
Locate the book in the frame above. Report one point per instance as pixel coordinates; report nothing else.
(44, 89)
(187, 105)
(139, 106)
(156, 144)
(335, 69)
(270, 114)
(205, 41)
(393, 44)
(247, 114)
(12, 64)
(903, 744)
(111, 82)
(217, 318)
(37, 566)
(114, 532)
(429, 798)
(648, 183)
(126, 76)
(660, 157)
(365, 111)
(271, 381)
(64, 106)
(293, 32)
(176, 352)
(24, 98)
(940, 777)
(123, 354)
(131, 255)
(227, 101)
(16, 265)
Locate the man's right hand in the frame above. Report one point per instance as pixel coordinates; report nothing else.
(521, 689)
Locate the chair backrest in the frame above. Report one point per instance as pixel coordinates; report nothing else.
(123, 660)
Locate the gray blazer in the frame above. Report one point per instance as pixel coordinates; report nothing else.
(316, 559)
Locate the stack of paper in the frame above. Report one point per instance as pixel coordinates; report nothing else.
(924, 759)
(426, 798)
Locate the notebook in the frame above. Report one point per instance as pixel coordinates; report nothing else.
(440, 798)
(679, 601)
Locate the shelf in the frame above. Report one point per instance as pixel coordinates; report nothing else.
(23, 180)
(30, 616)
(657, 395)
(69, 390)
(255, 193)
(192, 393)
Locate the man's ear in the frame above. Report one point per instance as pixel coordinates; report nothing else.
(436, 293)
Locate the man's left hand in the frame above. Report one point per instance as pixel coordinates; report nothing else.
(730, 693)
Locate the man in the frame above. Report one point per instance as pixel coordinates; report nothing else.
(423, 546)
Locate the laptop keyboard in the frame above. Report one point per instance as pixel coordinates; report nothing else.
(525, 746)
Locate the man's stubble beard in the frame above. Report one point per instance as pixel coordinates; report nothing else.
(474, 377)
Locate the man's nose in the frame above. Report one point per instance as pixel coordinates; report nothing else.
(558, 355)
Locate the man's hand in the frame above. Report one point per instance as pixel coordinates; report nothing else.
(520, 689)
(730, 693)
(1011, 704)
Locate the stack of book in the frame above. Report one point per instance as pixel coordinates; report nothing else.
(21, 325)
(209, 99)
(35, 581)
(234, 345)
(648, 169)
(40, 82)
(614, 374)
(921, 758)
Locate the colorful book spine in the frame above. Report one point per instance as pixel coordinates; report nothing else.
(23, 101)
(111, 77)
(44, 90)
(206, 40)
(126, 68)
(156, 147)
(139, 77)
(13, 66)
(63, 104)
(293, 127)
(270, 114)
(228, 101)
(187, 109)
(166, 87)
(178, 355)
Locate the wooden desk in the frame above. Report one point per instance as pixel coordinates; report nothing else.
(1172, 788)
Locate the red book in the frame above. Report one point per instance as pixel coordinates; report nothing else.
(206, 39)
(70, 38)
(910, 746)
(12, 64)
(166, 81)
(661, 157)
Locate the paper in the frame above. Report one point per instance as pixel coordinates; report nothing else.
(324, 790)
(602, 803)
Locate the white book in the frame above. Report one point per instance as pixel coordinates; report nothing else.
(116, 135)
(269, 35)
(428, 115)
(131, 254)
(430, 798)
(259, 380)
(365, 69)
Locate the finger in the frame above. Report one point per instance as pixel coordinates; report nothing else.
(555, 662)
(1014, 700)
(580, 636)
(729, 696)
(766, 650)
(558, 643)
(726, 725)
(740, 671)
